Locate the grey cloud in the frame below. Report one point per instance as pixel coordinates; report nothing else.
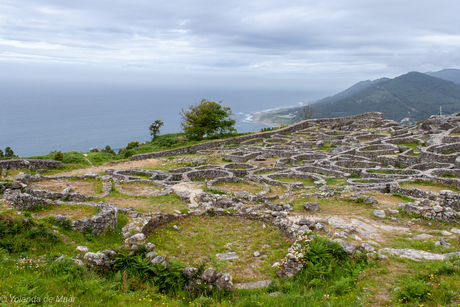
(297, 38)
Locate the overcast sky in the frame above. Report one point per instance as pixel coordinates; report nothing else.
(322, 43)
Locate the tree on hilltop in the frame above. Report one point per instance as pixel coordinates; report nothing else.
(9, 152)
(155, 128)
(207, 118)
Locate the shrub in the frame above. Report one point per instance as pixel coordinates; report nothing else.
(74, 157)
(268, 129)
(59, 156)
(132, 145)
(108, 150)
(129, 153)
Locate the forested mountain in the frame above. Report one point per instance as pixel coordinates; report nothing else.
(356, 88)
(447, 74)
(413, 95)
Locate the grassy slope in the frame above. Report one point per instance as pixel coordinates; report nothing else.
(335, 282)
(74, 159)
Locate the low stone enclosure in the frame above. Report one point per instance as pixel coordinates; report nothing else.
(322, 158)
(28, 164)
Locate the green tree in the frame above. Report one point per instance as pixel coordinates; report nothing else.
(132, 145)
(1, 154)
(207, 118)
(155, 128)
(108, 150)
(9, 152)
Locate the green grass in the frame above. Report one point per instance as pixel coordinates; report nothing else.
(447, 175)
(76, 211)
(428, 184)
(329, 277)
(166, 203)
(403, 197)
(412, 145)
(306, 182)
(431, 284)
(266, 172)
(98, 158)
(71, 157)
(176, 140)
(142, 175)
(381, 171)
(299, 162)
(425, 245)
(239, 186)
(326, 147)
(211, 234)
(76, 159)
(337, 182)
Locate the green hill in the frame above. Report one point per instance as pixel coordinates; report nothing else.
(356, 88)
(447, 74)
(413, 95)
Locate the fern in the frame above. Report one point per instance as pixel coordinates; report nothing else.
(3, 253)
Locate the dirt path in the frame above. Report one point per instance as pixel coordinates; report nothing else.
(195, 189)
(84, 157)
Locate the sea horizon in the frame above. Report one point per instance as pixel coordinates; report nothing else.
(38, 118)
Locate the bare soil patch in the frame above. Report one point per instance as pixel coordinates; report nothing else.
(139, 188)
(238, 187)
(87, 187)
(72, 212)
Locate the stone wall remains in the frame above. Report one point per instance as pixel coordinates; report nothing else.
(101, 222)
(32, 164)
(375, 118)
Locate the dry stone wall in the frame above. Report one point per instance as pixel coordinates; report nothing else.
(364, 153)
(32, 164)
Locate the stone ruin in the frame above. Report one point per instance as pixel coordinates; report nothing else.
(365, 151)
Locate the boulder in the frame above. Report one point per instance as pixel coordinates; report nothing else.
(227, 256)
(379, 213)
(423, 236)
(159, 259)
(224, 282)
(209, 275)
(189, 271)
(82, 249)
(313, 206)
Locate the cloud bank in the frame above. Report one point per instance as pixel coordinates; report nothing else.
(263, 42)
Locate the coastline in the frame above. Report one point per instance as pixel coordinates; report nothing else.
(265, 117)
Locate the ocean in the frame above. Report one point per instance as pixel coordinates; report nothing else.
(36, 118)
